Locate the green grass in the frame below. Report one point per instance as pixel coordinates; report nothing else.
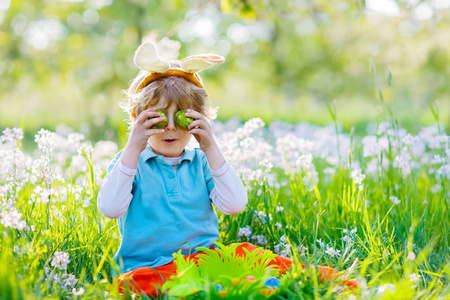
(392, 243)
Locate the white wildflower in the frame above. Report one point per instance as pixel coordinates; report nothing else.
(371, 146)
(437, 160)
(87, 202)
(56, 278)
(70, 281)
(333, 252)
(17, 250)
(347, 239)
(246, 231)
(408, 140)
(60, 260)
(45, 140)
(382, 289)
(262, 240)
(439, 140)
(383, 127)
(305, 162)
(42, 170)
(78, 292)
(261, 216)
(414, 278)
(403, 161)
(394, 200)
(286, 251)
(266, 165)
(357, 176)
(12, 219)
(329, 171)
(85, 148)
(10, 137)
(443, 171)
(283, 249)
(348, 234)
(104, 149)
(436, 188)
(75, 139)
(249, 127)
(289, 148)
(246, 142)
(43, 194)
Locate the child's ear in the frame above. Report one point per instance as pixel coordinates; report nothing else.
(146, 58)
(196, 63)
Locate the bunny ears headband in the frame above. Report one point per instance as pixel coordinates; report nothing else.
(147, 59)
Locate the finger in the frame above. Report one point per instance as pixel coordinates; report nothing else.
(198, 131)
(199, 124)
(148, 113)
(152, 121)
(153, 131)
(195, 114)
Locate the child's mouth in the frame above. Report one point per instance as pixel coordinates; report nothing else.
(170, 141)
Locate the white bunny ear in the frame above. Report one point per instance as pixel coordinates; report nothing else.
(146, 57)
(196, 63)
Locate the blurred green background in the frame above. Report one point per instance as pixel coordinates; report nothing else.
(68, 61)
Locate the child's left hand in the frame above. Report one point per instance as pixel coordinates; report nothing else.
(201, 129)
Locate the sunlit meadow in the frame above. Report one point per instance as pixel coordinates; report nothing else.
(374, 206)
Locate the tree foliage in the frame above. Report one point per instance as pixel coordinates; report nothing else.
(67, 61)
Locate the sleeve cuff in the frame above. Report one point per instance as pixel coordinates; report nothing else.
(125, 170)
(222, 170)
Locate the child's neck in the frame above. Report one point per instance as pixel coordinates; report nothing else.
(182, 153)
(173, 161)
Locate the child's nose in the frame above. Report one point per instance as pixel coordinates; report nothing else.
(171, 126)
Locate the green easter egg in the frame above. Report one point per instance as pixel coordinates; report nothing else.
(182, 120)
(161, 124)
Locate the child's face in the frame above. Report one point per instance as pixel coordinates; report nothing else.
(170, 143)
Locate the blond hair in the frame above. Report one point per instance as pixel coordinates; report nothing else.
(165, 91)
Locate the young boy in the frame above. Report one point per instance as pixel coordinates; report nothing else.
(161, 194)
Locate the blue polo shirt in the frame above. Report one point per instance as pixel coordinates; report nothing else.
(170, 210)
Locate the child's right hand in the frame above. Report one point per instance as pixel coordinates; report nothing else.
(140, 133)
(142, 129)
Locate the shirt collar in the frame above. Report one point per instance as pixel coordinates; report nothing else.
(148, 154)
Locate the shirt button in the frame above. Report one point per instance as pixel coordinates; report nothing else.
(171, 175)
